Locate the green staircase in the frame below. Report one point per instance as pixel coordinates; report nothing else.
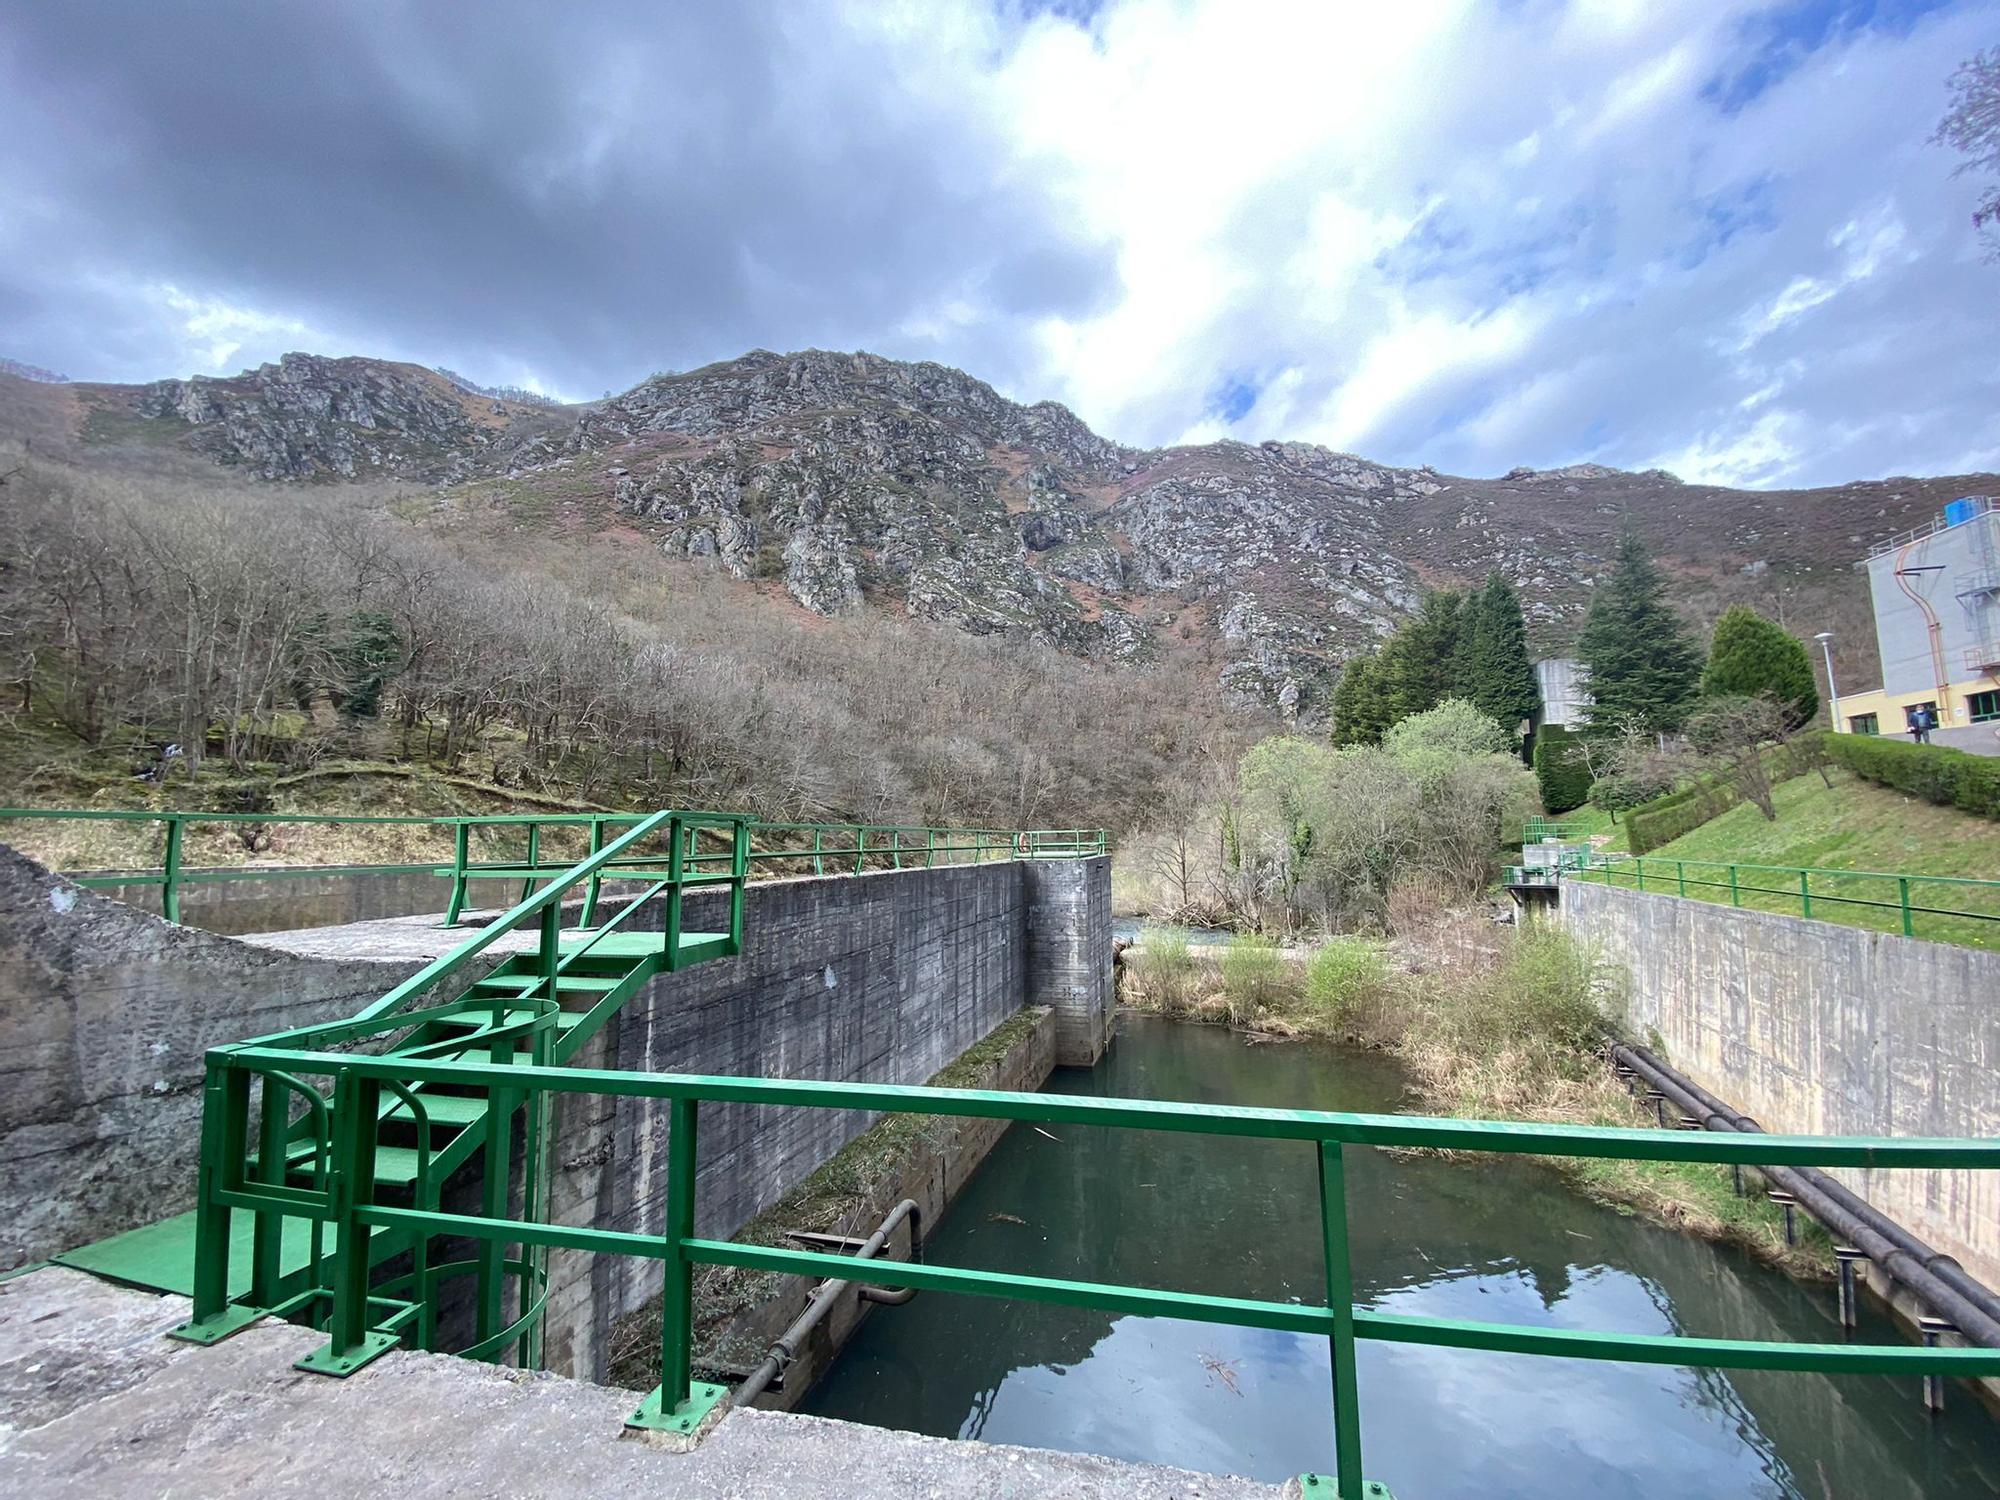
(267, 1239)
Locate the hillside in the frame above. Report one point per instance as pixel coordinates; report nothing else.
(1856, 825)
(845, 482)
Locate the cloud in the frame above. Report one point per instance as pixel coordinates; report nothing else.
(1710, 237)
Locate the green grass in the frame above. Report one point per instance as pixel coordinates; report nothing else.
(1852, 825)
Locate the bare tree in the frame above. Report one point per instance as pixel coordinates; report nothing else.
(1971, 127)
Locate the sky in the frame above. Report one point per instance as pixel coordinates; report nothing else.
(1706, 235)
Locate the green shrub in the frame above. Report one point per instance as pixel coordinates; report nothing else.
(1253, 974)
(1936, 773)
(1560, 770)
(1664, 819)
(1166, 968)
(1539, 1016)
(1343, 974)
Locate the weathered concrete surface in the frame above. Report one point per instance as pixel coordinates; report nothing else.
(95, 1403)
(1069, 953)
(292, 900)
(1823, 1030)
(880, 978)
(931, 1172)
(104, 1015)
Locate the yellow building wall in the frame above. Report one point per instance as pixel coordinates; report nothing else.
(1954, 713)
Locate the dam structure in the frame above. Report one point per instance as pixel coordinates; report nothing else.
(386, 1193)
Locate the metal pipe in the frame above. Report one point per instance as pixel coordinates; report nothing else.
(785, 1347)
(1935, 1278)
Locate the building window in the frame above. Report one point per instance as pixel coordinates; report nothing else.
(1864, 724)
(1985, 707)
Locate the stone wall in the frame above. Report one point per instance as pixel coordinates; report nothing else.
(1818, 1029)
(105, 1013)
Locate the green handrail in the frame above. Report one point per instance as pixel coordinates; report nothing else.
(1808, 888)
(680, 1403)
(808, 843)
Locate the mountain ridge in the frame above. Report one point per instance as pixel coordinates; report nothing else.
(850, 480)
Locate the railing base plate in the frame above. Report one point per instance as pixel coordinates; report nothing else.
(322, 1361)
(1325, 1487)
(226, 1324)
(685, 1418)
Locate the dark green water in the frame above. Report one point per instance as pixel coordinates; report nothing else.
(1495, 1241)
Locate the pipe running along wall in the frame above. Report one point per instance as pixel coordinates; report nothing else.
(1933, 1277)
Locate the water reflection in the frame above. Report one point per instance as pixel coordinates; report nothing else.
(1496, 1241)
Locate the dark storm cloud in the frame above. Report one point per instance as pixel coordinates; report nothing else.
(579, 194)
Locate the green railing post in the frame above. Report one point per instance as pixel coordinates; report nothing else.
(268, 1238)
(739, 870)
(170, 869)
(491, 1256)
(1903, 896)
(860, 847)
(461, 854)
(1735, 895)
(534, 859)
(596, 884)
(1681, 873)
(1340, 1303)
(349, 1345)
(225, 1121)
(1639, 869)
(1805, 893)
(680, 1403)
(930, 846)
(819, 848)
(671, 925)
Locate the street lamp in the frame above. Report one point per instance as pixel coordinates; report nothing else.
(1825, 639)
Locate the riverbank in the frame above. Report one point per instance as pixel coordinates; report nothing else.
(1489, 1021)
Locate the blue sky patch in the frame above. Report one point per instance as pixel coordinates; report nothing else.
(1778, 41)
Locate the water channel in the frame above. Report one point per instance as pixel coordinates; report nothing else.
(1495, 1240)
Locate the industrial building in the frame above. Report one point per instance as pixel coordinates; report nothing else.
(1936, 595)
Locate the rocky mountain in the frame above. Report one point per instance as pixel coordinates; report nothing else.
(850, 481)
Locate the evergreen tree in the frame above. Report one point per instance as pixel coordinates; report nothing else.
(1560, 770)
(1644, 669)
(1753, 658)
(1360, 706)
(1415, 667)
(1493, 667)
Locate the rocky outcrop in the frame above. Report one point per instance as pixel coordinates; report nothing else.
(307, 417)
(849, 479)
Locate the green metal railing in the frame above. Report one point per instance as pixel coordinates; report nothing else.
(1862, 898)
(776, 848)
(1538, 829)
(349, 1205)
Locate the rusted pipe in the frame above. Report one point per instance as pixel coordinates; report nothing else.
(784, 1349)
(1932, 1276)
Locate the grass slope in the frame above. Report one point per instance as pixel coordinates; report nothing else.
(1854, 825)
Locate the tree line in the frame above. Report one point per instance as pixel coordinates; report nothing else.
(257, 627)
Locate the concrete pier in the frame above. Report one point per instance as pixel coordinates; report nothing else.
(95, 1404)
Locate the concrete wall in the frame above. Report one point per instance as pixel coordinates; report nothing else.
(276, 903)
(1823, 1030)
(104, 1015)
(881, 978)
(1956, 560)
(1069, 953)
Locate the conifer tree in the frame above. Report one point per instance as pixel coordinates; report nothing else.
(1360, 705)
(1415, 666)
(1753, 658)
(1645, 671)
(1493, 667)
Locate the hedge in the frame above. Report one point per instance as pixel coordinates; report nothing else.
(1936, 773)
(1664, 819)
(1561, 773)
